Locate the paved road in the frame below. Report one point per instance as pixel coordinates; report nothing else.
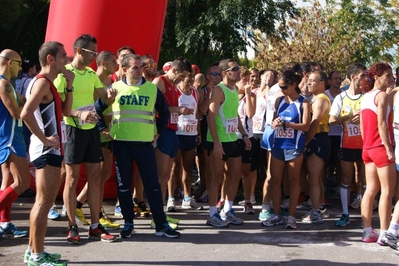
(249, 244)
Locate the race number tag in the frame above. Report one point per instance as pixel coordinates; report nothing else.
(63, 132)
(174, 117)
(89, 108)
(258, 123)
(231, 125)
(280, 133)
(353, 129)
(189, 125)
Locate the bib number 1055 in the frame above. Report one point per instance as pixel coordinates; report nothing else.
(279, 132)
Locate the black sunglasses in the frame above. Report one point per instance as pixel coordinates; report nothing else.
(214, 74)
(234, 69)
(283, 87)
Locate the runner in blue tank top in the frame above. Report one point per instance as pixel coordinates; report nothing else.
(291, 120)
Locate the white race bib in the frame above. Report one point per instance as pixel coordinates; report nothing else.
(280, 133)
(231, 125)
(174, 117)
(189, 125)
(353, 129)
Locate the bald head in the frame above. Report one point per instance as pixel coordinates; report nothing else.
(199, 80)
(8, 54)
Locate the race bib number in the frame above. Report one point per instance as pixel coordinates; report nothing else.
(258, 123)
(280, 133)
(189, 125)
(231, 125)
(353, 129)
(89, 108)
(63, 132)
(174, 117)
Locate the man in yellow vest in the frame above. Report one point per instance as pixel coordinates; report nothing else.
(133, 131)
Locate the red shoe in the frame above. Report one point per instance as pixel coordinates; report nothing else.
(73, 235)
(301, 198)
(99, 233)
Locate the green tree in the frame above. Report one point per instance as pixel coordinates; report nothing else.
(23, 26)
(335, 35)
(208, 30)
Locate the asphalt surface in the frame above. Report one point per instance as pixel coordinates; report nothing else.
(199, 244)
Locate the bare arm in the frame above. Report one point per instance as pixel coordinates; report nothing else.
(319, 108)
(9, 100)
(304, 126)
(382, 107)
(250, 105)
(216, 99)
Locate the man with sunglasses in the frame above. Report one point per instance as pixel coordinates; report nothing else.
(14, 167)
(149, 67)
(223, 145)
(83, 139)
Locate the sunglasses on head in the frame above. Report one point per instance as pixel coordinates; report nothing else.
(234, 69)
(214, 74)
(151, 65)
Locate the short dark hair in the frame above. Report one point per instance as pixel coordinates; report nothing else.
(48, 48)
(290, 77)
(124, 48)
(354, 69)
(26, 65)
(83, 41)
(323, 76)
(332, 73)
(127, 58)
(182, 64)
(294, 66)
(104, 56)
(145, 57)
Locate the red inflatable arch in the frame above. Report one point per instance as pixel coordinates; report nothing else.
(135, 23)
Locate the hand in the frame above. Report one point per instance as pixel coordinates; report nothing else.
(248, 144)
(267, 78)
(105, 133)
(248, 89)
(69, 77)
(210, 86)
(53, 141)
(277, 122)
(111, 93)
(89, 117)
(356, 117)
(218, 150)
(391, 155)
(186, 111)
(198, 140)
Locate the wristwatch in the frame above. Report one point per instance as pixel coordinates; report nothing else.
(67, 90)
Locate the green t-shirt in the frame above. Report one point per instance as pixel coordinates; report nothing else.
(85, 83)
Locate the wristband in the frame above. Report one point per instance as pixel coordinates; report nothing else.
(244, 135)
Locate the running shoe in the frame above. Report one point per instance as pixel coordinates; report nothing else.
(264, 215)
(167, 231)
(370, 237)
(203, 197)
(343, 221)
(307, 205)
(99, 233)
(190, 204)
(172, 225)
(73, 235)
(142, 209)
(127, 230)
(324, 213)
(80, 217)
(248, 208)
(216, 221)
(12, 231)
(231, 217)
(170, 206)
(63, 211)
(219, 205)
(252, 199)
(107, 224)
(313, 218)
(291, 223)
(172, 220)
(53, 214)
(356, 203)
(275, 219)
(45, 259)
(390, 240)
(285, 204)
(53, 256)
(118, 211)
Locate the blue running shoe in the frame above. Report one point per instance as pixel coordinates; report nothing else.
(53, 213)
(12, 231)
